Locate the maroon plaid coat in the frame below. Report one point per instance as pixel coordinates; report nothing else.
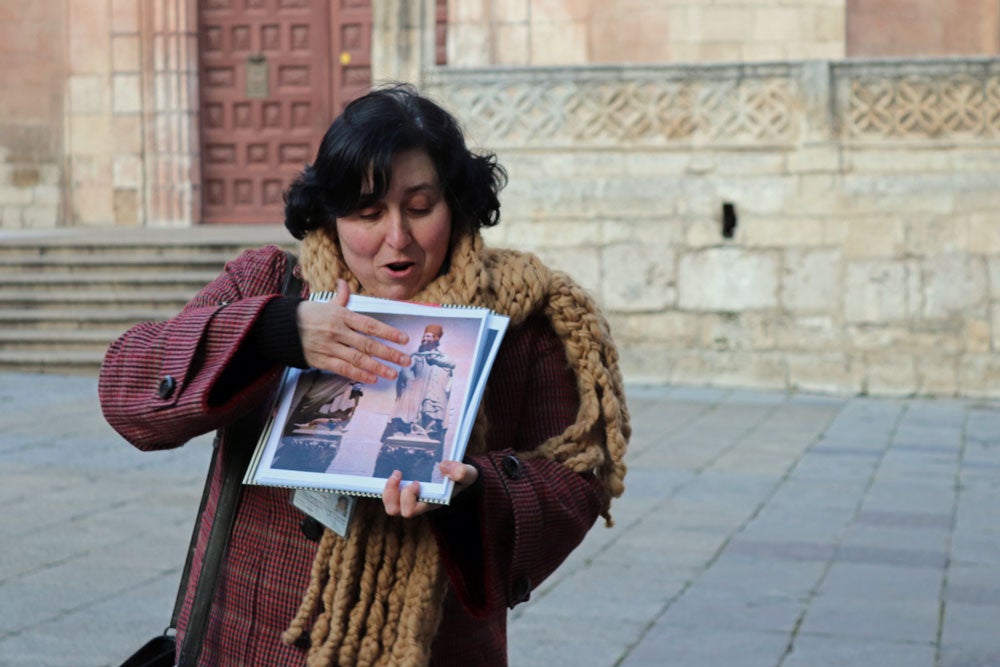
(498, 542)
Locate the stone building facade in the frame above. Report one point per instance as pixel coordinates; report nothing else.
(755, 195)
(863, 253)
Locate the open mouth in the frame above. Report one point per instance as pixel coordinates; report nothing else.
(399, 266)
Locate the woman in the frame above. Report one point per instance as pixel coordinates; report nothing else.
(392, 208)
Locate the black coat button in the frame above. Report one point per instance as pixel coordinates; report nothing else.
(520, 589)
(311, 528)
(511, 466)
(167, 386)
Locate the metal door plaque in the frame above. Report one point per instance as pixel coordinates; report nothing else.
(257, 79)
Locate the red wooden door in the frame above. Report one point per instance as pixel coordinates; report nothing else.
(273, 74)
(269, 89)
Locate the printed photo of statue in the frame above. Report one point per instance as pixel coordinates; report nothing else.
(318, 422)
(413, 439)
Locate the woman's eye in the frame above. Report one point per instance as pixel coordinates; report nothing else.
(369, 214)
(420, 206)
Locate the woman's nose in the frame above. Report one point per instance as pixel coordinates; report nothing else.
(398, 235)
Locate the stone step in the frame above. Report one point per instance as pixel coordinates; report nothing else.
(125, 296)
(83, 362)
(176, 280)
(66, 294)
(222, 239)
(99, 262)
(74, 319)
(73, 339)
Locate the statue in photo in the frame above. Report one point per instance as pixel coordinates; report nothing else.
(414, 436)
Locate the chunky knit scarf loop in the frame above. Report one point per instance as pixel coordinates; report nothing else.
(376, 597)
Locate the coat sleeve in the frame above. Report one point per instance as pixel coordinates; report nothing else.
(162, 383)
(516, 525)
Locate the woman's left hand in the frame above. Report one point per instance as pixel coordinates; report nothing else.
(403, 501)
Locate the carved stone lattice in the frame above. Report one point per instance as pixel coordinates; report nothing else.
(581, 112)
(924, 107)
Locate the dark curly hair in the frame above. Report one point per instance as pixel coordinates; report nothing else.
(361, 143)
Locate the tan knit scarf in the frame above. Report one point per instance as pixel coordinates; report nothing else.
(376, 597)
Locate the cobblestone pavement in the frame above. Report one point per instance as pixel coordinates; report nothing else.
(757, 529)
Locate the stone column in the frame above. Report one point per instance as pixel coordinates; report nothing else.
(89, 136)
(170, 118)
(402, 40)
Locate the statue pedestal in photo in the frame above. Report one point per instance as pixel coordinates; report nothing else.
(414, 454)
(307, 450)
(412, 440)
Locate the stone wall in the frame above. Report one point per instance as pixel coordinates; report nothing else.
(104, 139)
(133, 141)
(31, 107)
(903, 28)
(865, 255)
(99, 111)
(484, 33)
(98, 116)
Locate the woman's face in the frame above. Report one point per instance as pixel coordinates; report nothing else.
(396, 246)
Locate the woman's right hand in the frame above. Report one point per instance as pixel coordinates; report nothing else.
(341, 341)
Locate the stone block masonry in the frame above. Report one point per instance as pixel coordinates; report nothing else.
(98, 121)
(31, 139)
(30, 193)
(865, 256)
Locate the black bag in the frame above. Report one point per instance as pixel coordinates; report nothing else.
(161, 651)
(157, 652)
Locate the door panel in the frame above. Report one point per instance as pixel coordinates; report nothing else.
(351, 32)
(265, 100)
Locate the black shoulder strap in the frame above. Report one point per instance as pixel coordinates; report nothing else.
(234, 464)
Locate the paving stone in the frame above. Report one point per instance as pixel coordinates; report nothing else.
(881, 582)
(754, 397)
(919, 520)
(645, 486)
(928, 494)
(733, 572)
(704, 395)
(969, 638)
(872, 619)
(624, 591)
(87, 639)
(824, 651)
(756, 609)
(688, 551)
(975, 547)
(890, 537)
(778, 524)
(973, 594)
(543, 639)
(784, 550)
(893, 556)
(835, 496)
(707, 647)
